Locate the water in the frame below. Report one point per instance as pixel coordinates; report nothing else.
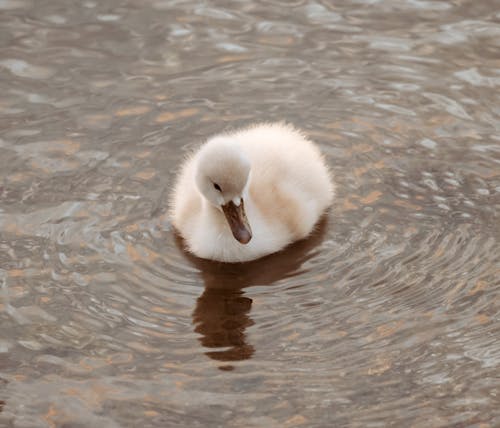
(387, 316)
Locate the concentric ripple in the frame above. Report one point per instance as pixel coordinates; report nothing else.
(387, 315)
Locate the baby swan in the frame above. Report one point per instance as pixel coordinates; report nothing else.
(249, 193)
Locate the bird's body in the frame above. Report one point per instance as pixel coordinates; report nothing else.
(250, 193)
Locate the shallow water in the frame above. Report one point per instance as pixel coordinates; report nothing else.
(388, 316)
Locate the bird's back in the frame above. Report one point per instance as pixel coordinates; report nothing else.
(289, 181)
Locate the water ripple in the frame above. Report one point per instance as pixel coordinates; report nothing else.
(388, 313)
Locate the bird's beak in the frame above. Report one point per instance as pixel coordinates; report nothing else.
(238, 222)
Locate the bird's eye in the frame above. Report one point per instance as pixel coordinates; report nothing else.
(217, 187)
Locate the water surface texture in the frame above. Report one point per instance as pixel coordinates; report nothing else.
(389, 315)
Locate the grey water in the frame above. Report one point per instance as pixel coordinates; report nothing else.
(388, 315)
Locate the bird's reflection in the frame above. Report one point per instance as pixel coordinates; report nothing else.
(221, 317)
(222, 312)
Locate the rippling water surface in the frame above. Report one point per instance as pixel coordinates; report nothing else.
(388, 316)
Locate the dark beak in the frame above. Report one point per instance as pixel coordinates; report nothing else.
(237, 220)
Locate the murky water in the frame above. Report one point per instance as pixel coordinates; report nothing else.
(388, 316)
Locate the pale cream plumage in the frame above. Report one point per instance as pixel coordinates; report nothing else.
(270, 172)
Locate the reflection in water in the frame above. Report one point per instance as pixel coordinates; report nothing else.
(221, 317)
(392, 320)
(222, 311)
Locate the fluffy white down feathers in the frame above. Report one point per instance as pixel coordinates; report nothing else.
(249, 193)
